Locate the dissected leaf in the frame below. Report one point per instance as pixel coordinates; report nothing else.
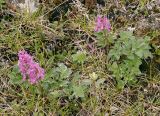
(15, 76)
(126, 55)
(79, 57)
(64, 71)
(78, 91)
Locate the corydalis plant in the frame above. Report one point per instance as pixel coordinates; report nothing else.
(125, 57)
(101, 28)
(102, 23)
(28, 68)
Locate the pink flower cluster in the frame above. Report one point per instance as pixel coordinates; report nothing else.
(102, 23)
(29, 69)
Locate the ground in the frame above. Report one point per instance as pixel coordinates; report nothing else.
(78, 79)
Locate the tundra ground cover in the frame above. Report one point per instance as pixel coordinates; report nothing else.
(100, 61)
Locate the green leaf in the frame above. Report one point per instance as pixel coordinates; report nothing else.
(63, 70)
(139, 53)
(2, 2)
(126, 34)
(50, 73)
(64, 83)
(121, 84)
(78, 91)
(56, 93)
(158, 52)
(99, 34)
(79, 57)
(111, 38)
(15, 76)
(114, 66)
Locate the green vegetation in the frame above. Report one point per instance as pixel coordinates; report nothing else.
(126, 56)
(87, 73)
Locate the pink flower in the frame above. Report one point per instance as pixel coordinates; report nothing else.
(29, 69)
(102, 23)
(24, 62)
(35, 73)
